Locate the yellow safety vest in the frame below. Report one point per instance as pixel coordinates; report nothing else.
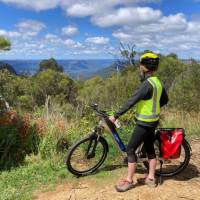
(149, 110)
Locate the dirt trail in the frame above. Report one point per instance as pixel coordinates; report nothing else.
(185, 186)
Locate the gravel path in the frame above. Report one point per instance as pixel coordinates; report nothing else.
(185, 186)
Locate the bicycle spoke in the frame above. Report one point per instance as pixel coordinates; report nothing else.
(82, 160)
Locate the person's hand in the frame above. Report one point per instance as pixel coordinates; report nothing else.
(112, 119)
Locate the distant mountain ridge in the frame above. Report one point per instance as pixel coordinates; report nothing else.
(115, 67)
(75, 68)
(8, 67)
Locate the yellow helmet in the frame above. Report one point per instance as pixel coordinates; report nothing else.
(150, 61)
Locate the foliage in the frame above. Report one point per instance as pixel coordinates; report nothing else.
(50, 64)
(26, 93)
(4, 44)
(169, 69)
(33, 141)
(17, 139)
(8, 67)
(8, 86)
(185, 94)
(173, 55)
(57, 92)
(52, 93)
(20, 182)
(109, 93)
(52, 83)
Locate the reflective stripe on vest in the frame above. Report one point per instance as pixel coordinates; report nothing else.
(149, 110)
(154, 95)
(147, 116)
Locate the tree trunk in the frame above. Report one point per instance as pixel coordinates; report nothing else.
(5, 102)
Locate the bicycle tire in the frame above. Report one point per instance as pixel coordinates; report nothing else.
(182, 166)
(71, 168)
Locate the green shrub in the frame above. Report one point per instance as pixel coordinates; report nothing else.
(17, 139)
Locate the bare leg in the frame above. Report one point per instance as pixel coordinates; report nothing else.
(152, 168)
(131, 171)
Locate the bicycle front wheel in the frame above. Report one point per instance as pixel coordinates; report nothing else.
(87, 155)
(172, 167)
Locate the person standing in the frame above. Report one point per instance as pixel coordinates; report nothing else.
(149, 98)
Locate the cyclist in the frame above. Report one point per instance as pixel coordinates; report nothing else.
(148, 99)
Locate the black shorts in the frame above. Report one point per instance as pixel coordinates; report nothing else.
(141, 134)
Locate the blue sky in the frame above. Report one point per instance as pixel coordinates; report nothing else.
(78, 29)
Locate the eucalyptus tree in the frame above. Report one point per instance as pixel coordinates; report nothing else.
(5, 44)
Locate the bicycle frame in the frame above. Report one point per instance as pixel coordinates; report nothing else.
(96, 137)
(121, 144)
(115, 134)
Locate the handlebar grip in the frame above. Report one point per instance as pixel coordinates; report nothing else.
(94, 105)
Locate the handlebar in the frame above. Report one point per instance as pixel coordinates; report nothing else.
(102, 113)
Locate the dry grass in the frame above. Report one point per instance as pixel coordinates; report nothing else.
(180, 119)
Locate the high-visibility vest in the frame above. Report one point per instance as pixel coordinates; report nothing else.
(149, 110)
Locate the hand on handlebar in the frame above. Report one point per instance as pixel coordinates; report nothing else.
(115, 121)
(112, 119)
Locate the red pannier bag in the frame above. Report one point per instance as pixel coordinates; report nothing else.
(170, 143)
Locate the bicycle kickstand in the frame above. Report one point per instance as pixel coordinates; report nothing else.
(160, 178)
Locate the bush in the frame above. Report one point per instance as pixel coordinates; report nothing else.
(17, 139)
(184, 95)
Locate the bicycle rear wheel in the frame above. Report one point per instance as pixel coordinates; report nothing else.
(172, 167)
(87, 155)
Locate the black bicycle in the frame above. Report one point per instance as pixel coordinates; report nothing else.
(89, 153)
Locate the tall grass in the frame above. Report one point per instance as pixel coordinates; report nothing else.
(180, 119)
(48, 166)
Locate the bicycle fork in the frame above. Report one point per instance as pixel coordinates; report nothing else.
(90, 153)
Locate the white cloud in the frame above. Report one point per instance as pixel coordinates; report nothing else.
(28, 29)
(53, 39)
(10, 34)
(122, 36)
(127, 16)
(83, 8)
(97, 40)
(30, 25)
(50, 36)
(74, 8)
(173, 33)
(72, 44)
(132, 21)
(37, 5)
(3, 32)
(70, 30)
(14, 34)
(174, 22)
